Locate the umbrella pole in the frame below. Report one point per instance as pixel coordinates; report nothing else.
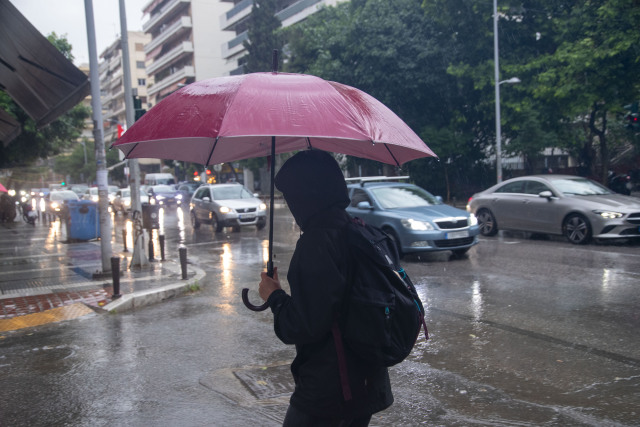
(271, 200)
(245, 291)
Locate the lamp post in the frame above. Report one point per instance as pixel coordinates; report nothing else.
(512, 80)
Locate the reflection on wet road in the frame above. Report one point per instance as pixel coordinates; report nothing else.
(524, 332)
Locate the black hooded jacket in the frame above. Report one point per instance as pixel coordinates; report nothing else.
(316, 193)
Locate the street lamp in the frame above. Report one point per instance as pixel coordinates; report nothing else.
(512, 80)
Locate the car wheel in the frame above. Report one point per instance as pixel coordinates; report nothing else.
(194, 221)
(487, 223)
(217, 227)
(577, 229)
(396, 241)
(261, 224)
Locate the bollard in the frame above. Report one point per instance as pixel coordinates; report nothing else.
(161, 239)
(124, 240)
(183, 261)
(151, 259)
(115, 274)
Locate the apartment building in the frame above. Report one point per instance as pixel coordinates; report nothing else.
(111, 75)
(236, 20)
(185, 44)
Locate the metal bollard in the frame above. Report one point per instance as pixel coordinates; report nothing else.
(151, 258)
(115, 274)
(183, 261)
(124, 240)
(161, 239)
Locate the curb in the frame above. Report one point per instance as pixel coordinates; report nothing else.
(153, 296)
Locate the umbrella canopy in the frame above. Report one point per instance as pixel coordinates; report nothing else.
(3, 189)
(232, 118)
(255, 115)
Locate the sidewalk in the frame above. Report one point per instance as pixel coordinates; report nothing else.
(40, 285)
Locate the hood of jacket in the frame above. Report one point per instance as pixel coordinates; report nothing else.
(311, 182)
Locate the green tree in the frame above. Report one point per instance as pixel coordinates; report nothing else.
(263, 36)
(33, 144)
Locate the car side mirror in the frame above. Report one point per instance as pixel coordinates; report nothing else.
(546, 194)
(206, 199)
(364, 205)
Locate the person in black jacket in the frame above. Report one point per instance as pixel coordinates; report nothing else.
(315, 191)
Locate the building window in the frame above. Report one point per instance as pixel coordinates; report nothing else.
(142, 82)
(140, 64)
(139, 47)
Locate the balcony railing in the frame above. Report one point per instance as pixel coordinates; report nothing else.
(234, 45)
(169, 57)
(187, 71)
(235, 14)
(148, 26)
(296, 8)
(167, 33)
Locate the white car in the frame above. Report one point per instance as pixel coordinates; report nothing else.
(122, 200)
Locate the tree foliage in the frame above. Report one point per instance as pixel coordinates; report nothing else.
(263, 36)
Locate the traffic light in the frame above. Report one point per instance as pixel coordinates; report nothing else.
(137, 106)
(633, 121)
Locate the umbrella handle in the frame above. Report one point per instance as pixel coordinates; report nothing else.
(247, 303)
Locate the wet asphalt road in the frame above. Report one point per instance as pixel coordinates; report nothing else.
(523, 332)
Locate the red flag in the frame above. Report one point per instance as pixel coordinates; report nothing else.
(120, 130)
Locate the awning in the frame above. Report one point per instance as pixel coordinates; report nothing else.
(33, 72)
(9, 127)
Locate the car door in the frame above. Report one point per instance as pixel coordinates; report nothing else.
(198, 204)
(542, 213)
(357, 196)
(506, 204)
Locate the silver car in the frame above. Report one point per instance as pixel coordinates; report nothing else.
(575, 207)
(226, 205)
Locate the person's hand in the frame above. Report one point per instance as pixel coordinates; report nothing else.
(268, 284)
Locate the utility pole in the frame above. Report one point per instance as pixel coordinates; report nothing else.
(98, 136)
(139, 258)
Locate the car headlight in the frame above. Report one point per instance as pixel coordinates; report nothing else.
(262, 207)
(160, 198)
(224, 209)
(127, 202)
(152, 201)
(412, 224)
(473, 220)
(178, 196)
(609, 214)
(54, 205)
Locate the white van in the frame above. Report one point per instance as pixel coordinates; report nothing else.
(159, 178)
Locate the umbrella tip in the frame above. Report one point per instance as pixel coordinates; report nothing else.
(274, 64)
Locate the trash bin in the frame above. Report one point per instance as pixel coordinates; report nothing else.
(82, 220)
(150, 216)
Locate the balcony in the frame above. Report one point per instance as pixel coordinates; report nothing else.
(234, 45)
(298, 11)
(182, 73)
(236, 14)
(174, 54)
(183, 23)
(165, 12)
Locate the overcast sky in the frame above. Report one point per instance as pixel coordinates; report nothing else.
(67, 17)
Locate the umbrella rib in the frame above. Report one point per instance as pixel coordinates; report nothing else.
(394, 157)
(212, 149)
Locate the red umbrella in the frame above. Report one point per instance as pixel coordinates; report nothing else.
(3, 189)
(255, 115)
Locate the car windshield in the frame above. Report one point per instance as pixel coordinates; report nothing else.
(580, 187)
(64, 195)
(403, 197)
(125, 193)
(231, 192)
(162, 189)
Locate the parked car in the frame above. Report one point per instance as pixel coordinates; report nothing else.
(227, 205)
(122, 200)
(186, 189)
(56, 201)
(414, 218)
(575, 207)
(164, 195)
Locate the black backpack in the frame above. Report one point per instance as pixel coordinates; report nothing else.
(382, 314)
